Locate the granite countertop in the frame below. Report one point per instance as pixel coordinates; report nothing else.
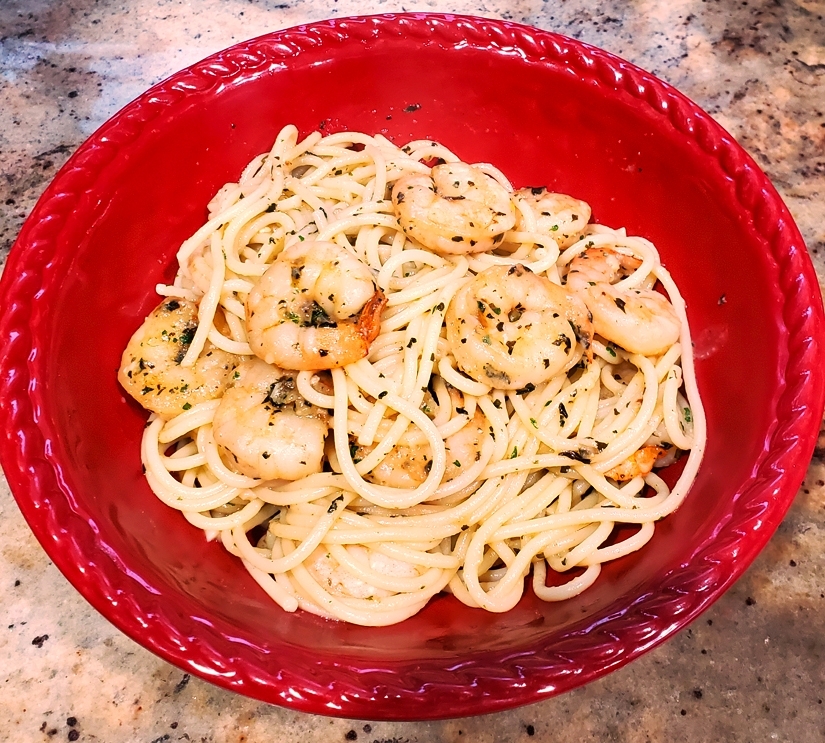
(752, 668)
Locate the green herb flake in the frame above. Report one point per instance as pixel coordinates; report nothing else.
(688, 416)
(187, 406)
(187, 336)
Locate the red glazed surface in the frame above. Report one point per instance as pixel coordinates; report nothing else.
(549, 111)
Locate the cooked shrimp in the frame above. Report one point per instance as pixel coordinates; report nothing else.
(408, 466)
(638, 464)
(316, 307)
(340, 581)
(558, 215)
(509, 327)
(599, 265)
(265, 428)
(456, 209)
(638, 320)
(150, 369)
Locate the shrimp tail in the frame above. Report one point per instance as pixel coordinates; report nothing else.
(369, 322)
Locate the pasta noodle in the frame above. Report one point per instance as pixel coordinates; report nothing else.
(481, 417)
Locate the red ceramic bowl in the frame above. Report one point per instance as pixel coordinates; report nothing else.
(549, 111)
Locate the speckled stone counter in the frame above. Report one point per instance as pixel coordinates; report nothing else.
(750, 669)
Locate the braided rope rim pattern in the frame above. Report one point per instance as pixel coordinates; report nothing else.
(387, 689)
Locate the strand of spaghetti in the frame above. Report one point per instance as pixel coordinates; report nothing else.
(417, 557)
(616, 450)
(196, 517)
(377, 533)
(351, 224)
(459, 381)
(581, 551)
(625, 547)
(388, 497)
(227, 344)
(167, 488)
(544, 261)
(185, 458)
(538, 497)
(401, 584)
(484, 536)
(409, 255)
(253, 217)
(380, 184)
(262, 517)
(368, 613)
(507, 591)
(292, 497)
(273, 589)
(570, 589)
(207, 446)
(259, 228)
(315, 536)
(215, 223)
(208, 303)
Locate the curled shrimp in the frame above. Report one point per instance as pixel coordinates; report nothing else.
(407, 465)
(638, 320)
(558, 215)
(265, 428)
(340, 581)
(316, 307)
(456, 209)
(150, 368)
(638, 464)
(509, 327)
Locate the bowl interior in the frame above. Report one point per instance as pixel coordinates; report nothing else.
(542, 126)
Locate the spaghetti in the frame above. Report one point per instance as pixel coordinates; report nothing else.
(381, 374)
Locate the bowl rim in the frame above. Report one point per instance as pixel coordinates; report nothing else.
(496, 680)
